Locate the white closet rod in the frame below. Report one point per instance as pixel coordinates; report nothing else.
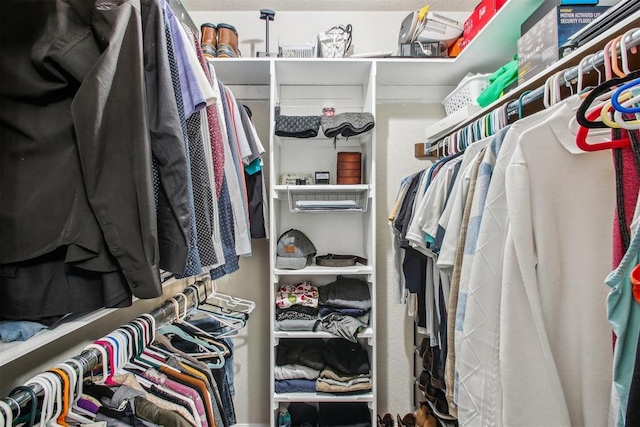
(632, 40)
(89, 359)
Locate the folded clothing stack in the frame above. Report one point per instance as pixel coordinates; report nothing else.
(344, 307)
(341, 307)
(347, 124)
(347, 368)
(297, 307)
(333, 366)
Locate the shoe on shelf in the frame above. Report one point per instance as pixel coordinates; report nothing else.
(422, 415)
(437, 369)
(209, 40)
(427, 357)
(227, 41)
(425, 386)
(386, 421)
(440, 407)
(408, 420)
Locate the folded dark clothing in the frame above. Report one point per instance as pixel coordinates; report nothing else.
(343, 414)
(296, 312)
(308, 352)
(295, 386)
(346, 358)
(346, 293)
(302, 413)
(347, 311)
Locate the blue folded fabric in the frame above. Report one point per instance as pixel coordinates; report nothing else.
(18, 330)
(295, 386)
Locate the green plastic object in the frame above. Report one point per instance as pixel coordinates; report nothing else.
(498, 81)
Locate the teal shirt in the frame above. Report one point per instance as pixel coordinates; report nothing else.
(624, 315)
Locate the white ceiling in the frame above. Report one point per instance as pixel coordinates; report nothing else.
(329, 5)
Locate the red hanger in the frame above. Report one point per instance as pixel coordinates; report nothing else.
(581, 137)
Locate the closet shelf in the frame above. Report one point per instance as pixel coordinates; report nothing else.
(367, 333)
(317, 270)
(322, 71)
(322, 141)
(243, 71)
(494, 45)
(322, 397)
(13, 350)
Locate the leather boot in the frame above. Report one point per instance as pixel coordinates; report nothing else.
(227, 41)
(209, 40)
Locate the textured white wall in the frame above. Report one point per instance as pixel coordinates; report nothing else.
(399, 128)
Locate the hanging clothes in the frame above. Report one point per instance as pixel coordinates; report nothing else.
(506, 228)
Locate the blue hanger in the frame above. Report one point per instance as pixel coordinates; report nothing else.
(616, 104)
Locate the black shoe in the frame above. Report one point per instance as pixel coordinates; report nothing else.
(424, 384)
(441, 407)
(437, 369)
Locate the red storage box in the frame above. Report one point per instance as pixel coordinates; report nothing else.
(479, 18)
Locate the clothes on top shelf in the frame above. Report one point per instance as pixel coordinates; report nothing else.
(341, 307)
(332, 366)
(157, 183)
(501, 246)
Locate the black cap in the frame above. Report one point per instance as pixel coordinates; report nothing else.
(207, 24)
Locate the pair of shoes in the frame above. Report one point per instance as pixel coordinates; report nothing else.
(408, 420)
(426, 387)
(386, 421)
(219, 41)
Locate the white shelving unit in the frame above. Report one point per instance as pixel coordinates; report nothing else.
(304, 87)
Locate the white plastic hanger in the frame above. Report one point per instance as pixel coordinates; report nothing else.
(624, 52)
(56, 384)
(74, 388)
(6, 414)
(581, 67)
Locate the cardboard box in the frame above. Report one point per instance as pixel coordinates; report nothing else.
(481, 15)
(539, 47)
(548, 5)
